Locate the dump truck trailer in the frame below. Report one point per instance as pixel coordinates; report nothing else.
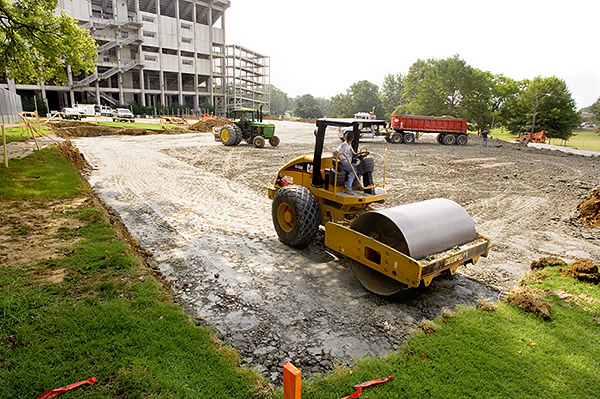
(407, 128)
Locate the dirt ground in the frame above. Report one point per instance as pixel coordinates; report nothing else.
(201, 210)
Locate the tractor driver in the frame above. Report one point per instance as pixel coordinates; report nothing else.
(346, 161)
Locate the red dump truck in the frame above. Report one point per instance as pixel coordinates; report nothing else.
(405, 129)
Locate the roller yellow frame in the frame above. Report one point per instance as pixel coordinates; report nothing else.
(395, 264)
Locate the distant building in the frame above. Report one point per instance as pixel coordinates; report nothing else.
(160, 52)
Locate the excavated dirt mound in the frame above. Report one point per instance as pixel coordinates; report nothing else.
(208, 124)
(85, 129)
(530, 302)
(72, 154)
(589, 209)
(549, 261)
(583, 270)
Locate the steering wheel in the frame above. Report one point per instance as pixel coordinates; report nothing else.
(362, 153)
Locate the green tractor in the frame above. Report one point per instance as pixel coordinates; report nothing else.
(246, 125)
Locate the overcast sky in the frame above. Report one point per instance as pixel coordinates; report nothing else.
(323, 47)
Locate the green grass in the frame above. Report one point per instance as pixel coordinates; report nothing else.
(107, 318)
(503, 354)
(21, 133)
(582, 140)
(45, 173)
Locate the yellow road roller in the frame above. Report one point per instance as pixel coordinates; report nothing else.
(390, 249)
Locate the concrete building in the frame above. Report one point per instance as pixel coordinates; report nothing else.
(160, 52)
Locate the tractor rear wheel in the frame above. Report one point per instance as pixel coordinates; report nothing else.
(239, 134)
(295, 216)
(259, 141)
(274, 141)
(228, 135)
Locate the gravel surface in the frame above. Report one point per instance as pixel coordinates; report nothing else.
(201, 210)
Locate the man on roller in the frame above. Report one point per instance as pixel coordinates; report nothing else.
(346, 161)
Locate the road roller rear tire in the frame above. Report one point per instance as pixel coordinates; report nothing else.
(295, 216)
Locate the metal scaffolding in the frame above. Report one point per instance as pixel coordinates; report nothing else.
(247, 75)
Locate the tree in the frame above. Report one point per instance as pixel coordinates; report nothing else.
(362, 96)
(548, 102)
(391, 93)
(341, 106)
(280, 102)
(307, 107)
(36, 44)
(442, 87)
(324, 104)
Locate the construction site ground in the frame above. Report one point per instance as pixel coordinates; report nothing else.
(200, 212)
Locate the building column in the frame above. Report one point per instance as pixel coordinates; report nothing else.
(12, 87)
(71, 92)
(44, 97)
(210, 56)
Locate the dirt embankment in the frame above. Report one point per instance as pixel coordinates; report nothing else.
(85, 129)
(207, 125)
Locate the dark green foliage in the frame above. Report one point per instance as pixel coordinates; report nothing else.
(36, 43)
(362, 96)
(550, 100)
(280, 102)
(306, 106)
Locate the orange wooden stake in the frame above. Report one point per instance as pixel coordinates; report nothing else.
(291, 381)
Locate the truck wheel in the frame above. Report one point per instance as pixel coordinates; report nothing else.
(462, 139)
(396, 138)
(440, 138)
(259, 141)
(409, 138)
(274, 141)
(228, 135)
(295, 216)
(449, 139)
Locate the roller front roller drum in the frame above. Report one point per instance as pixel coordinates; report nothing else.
(388, 242)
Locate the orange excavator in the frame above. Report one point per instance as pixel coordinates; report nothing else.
(539, 137)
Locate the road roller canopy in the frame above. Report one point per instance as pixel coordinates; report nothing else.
(322, 124)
